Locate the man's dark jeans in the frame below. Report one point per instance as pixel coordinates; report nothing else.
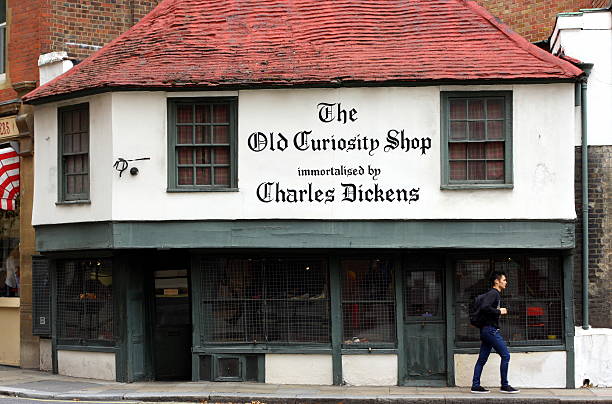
(490, 337)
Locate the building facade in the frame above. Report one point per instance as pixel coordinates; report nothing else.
(260, 207)
(66, 33)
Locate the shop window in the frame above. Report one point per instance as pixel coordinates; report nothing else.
(85, 302)
(477, 139)
(534, 298)
(10, 274)
(368, 302)
(264, 301)
(202, 144)
(74, 153)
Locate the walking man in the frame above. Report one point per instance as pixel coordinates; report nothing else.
(489, 311)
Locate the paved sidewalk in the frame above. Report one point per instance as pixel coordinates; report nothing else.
(42, 385)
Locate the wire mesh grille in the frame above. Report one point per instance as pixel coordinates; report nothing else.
(533, 297)
(423, 294)
(41, 297)
(85, 301)
(265, 300)
(368, 301)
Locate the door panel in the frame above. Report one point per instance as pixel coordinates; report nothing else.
(172, 330)
(425, 323)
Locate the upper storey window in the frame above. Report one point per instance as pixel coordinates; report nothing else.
(477, 139)
(74, 153)
(202, 144)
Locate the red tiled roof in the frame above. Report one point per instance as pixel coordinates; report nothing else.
(270, 43)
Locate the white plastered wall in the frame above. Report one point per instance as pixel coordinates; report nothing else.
(46, 209)
(593, 356)
(369, 370)
(527, 369)
(543, 130)
(91, 365)
(299, 369)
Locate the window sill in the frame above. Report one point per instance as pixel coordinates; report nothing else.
(197, 189)
(476, 186)
(80, 202)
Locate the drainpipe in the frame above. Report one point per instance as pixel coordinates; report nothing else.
(586, 67)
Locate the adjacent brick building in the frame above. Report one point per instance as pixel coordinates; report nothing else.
(33, 28)
(534, 19)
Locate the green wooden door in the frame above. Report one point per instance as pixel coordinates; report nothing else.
(424, 324)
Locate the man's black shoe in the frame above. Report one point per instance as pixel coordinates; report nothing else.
(509, 390)
(479, 390)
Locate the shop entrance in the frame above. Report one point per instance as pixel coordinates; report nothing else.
(172, 325)
(425, 324)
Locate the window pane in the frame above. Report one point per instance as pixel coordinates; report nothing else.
(495, 108)
(221, 134)
(476, 170)
(78, 184)
(222, 176)
(68, 144)
(458, 170)
(368, 322)
(202, 114)
(203, 135)
(84, 300)
(476, 109)
(495, 129)
(476, 150)
(76, 121)
(458, 109)
(202, 155)
(184, 114)
(70, 184)
(185, 134)
(477, 130)
(458, 130)
(203, 176)
(221, 113)
(423, 294)
(495, 170)
(457, 151)
(265, 300)
(185, 176)
(368, 301)
(85, 142)
(185, 155)
(222, 155)
(84, 125)
(367, 279)
(495, 150)
(67, 122)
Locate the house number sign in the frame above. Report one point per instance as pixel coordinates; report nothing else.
(307, 141)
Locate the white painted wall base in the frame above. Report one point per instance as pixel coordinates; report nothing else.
(593, 355)
(45, 355)
(527, 369)
(92, 365)
(369, 370)
(299, 369)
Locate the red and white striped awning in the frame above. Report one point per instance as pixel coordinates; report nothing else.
(9, 178)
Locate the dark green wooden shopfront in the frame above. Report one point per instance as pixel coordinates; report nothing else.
(208, 300)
